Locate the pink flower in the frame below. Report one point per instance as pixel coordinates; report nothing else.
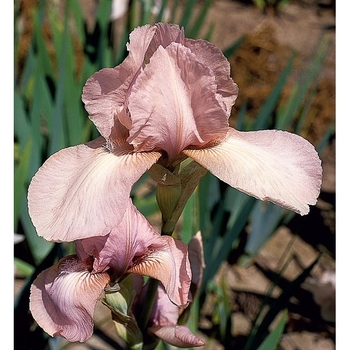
(64, 296)
(168, 100)
(163, 322)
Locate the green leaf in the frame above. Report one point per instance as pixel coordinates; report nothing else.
(190, 218)
(146, 11)
(40, 113)
(265, 218)
(233, 234)
(38, 246)
(187, 15)
(272, 340)
(309, 77)
(230, 217)
(23, 268)
(174, 11)
(58, 139)
(161, 14)
(72, 108)
(21, 180)
(144, 196)
(22, 128)
(265, 114)
(325, 139)
(260, 3)
(199, 21)
(44, 59)
(105, 50)
(78, 15)
(23, 82)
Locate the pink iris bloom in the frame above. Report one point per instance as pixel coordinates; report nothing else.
(164, 319)
(63, 297)
(170, 99)
(163, 322)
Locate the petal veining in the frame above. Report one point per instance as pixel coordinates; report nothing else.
(212, 57)
(77, 191)
(104, 95)
(134, 234)
(167, 261)
(63, 302)
(173, 103)
(105, 92)
(270, 165)
(179, 336)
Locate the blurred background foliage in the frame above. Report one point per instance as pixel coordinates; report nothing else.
(56, 50)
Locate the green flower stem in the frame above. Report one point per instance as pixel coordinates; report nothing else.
(173, 191)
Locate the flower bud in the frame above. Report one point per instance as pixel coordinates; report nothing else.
(168, 194)
(119, 302)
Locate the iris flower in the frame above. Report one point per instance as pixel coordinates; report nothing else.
(169, 100)
(63, 297)
(164, 318)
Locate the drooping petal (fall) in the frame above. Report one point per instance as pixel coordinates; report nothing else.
(134, 246)
(178, 98)
(167, 261)
(270, 165)
(131, 240)
(63, 299)
(77, 192)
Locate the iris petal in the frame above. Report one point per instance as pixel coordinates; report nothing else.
(134, 246)
(167, 261)
(179, 336)
(212, 57)
(173, 102)
(63, 302)
(105, 92)
(270, 165)
(76, 192)
(164, 320)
